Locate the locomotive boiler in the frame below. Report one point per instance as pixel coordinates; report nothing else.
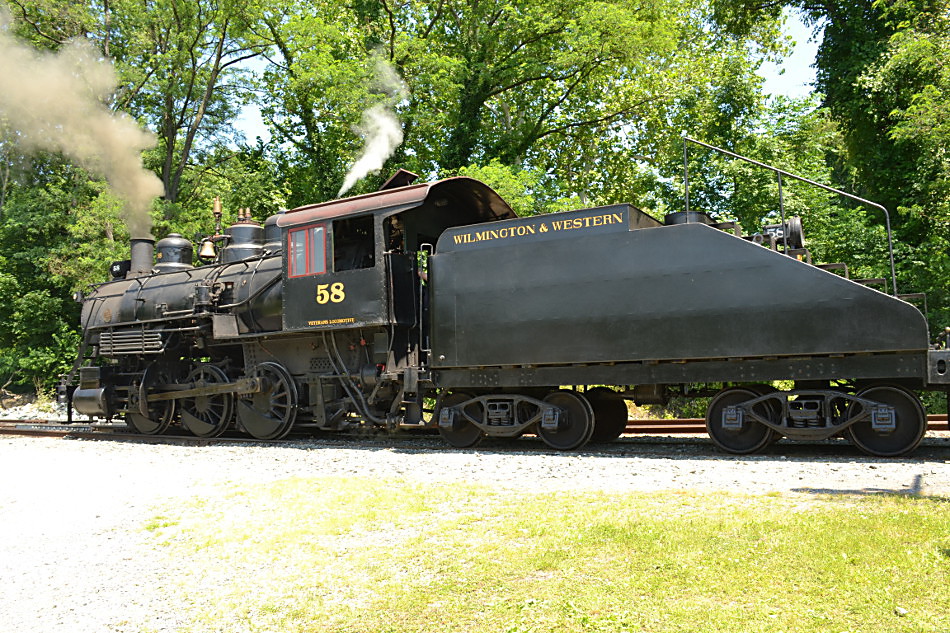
(359, 311)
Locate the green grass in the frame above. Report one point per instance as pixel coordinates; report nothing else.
(360, 555)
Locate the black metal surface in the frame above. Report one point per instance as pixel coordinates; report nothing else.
(348, 299)
(676, 293)
(173, 253)
(245, 289)
(245, 240)
(143, 251)
(903, 368)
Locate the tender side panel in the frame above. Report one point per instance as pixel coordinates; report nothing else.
(670, 293)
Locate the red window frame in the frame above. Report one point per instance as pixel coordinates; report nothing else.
(314, 262)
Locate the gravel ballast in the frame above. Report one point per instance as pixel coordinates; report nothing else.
(74, 554)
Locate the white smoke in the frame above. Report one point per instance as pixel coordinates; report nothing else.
(56, 102)
(379, 126)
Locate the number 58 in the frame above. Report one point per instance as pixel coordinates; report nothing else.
(330, 293)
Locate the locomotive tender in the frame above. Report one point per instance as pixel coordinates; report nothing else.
(355, 311)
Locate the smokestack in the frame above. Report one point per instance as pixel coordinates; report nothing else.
(143, 251)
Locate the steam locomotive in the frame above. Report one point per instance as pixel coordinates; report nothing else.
(360, 311)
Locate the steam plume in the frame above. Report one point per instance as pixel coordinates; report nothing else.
(380, 127)
(56, 102)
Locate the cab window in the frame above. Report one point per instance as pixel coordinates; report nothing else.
(307, 249)
(353, 244)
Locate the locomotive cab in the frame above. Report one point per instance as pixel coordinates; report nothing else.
(354, 263)
(354, 291)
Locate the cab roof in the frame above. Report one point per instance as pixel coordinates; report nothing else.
(472, 201)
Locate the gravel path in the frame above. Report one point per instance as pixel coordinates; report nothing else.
(74, 557)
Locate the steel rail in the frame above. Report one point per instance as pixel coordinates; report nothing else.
(54, 428)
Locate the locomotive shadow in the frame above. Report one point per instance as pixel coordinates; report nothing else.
(672, 448)
(917, 488)
(693, 449)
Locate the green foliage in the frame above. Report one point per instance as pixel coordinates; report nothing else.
(58, 232)
(38, 319)
(96, 236)
(881, 71)
(909, 84)
(45, 341)
(316, 88)
(554, 88)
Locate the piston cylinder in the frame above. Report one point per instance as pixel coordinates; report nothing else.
(93, 402)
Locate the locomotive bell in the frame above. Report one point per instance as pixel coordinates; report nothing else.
(207, 250)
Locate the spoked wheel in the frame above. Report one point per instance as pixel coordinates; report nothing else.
(751, 436)
(910, 418)
(270, 413)
(151, 418)
(576, 424)
(462, 434)
(610, 414)
(207, 416)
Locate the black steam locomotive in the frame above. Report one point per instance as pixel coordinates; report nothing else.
(357, 311)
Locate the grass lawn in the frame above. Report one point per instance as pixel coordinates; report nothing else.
(362, 555)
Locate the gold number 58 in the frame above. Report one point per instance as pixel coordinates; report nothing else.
(330, 293)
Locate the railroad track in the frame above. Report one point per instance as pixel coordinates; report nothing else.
(698, 425)
(55, 428)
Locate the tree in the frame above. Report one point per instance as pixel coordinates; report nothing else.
(37, 318)
(316, 85)
(882, 73)
(529, 84)
(909, 87)
(181, 64)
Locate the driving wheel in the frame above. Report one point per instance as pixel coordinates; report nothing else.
(150, 418)
(269, 413)
(210, 415)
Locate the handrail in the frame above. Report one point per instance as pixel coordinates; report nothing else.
(782, 172)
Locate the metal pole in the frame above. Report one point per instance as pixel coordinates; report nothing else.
(887, 216)
(686, 173)
(781, 209)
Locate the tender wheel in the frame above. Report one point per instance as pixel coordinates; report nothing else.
(576, 424)
(462, 434)
(911, 424)
(207, 416)
(270, 413)
(610, 414)
(772, 408)
(752, 436)
(150, 418)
